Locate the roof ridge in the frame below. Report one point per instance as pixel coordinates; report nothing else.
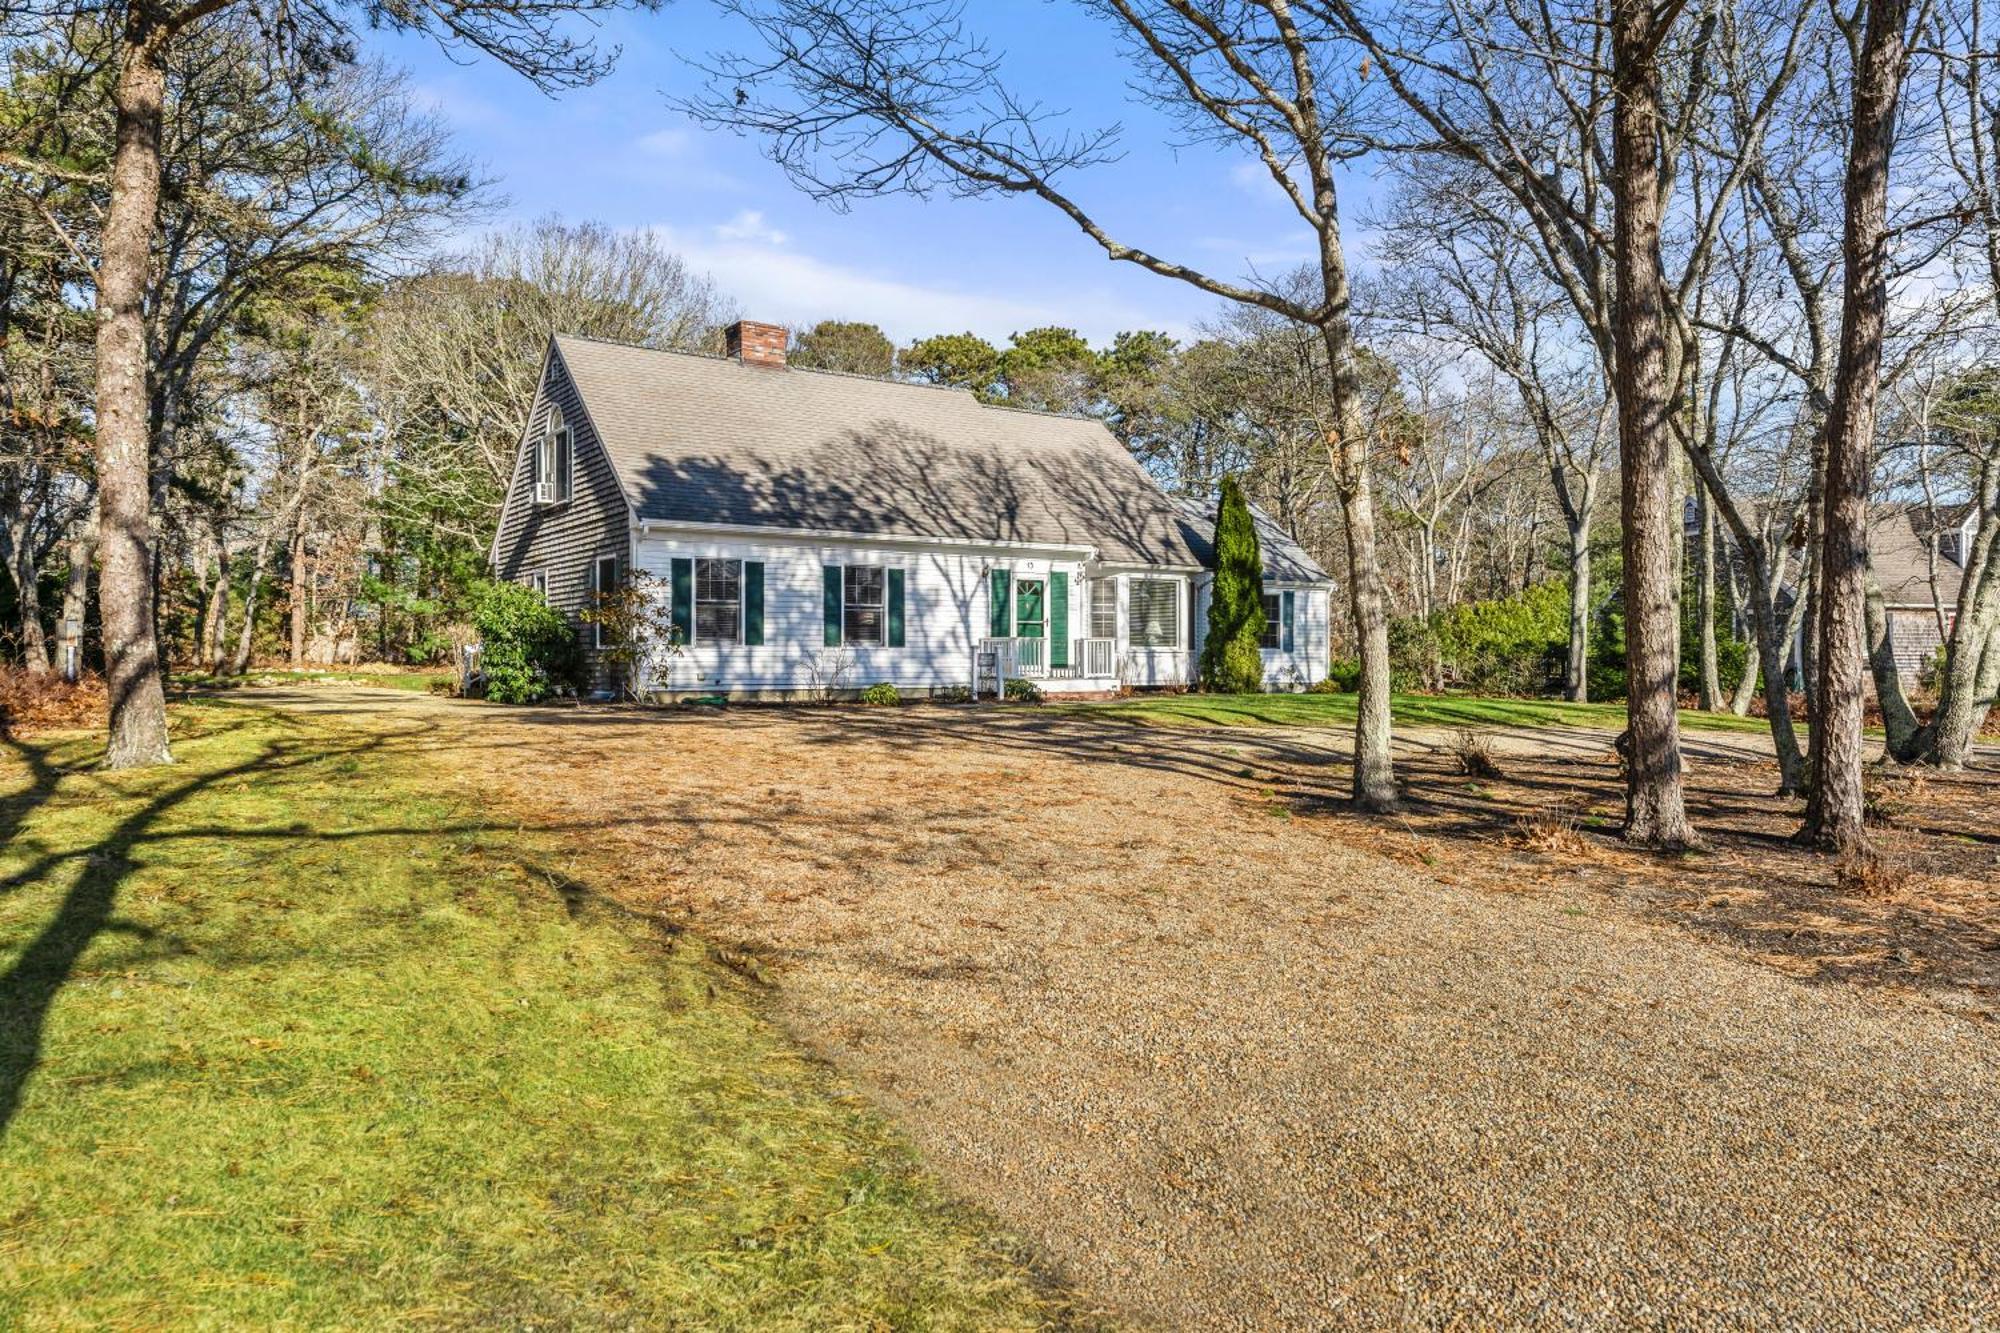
(838, 374)
(802, 370)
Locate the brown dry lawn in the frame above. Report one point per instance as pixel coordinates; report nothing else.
(1229, 1055)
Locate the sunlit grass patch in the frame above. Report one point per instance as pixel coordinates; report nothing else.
(1409, 710)
(290, 1034)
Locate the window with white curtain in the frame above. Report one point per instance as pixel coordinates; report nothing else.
(1153, 613)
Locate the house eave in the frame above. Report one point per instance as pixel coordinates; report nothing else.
(902, 541)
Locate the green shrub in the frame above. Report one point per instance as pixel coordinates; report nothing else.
(881, 693)
(1237, 669)
(1024, 691)
(1230, 660)
(528, 649)
(1342, 677)
(952, 694)
(1508, 645)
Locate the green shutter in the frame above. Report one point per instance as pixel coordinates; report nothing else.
(1003, 596)
(831, 575)
(684, 599)
(895, 608)
(1059, 620)
(753, 602)
(1288, 620)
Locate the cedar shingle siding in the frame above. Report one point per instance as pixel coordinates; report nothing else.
(566, 539)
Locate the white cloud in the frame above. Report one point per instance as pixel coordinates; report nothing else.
(749, 225)
(665, 143)
(769, 281)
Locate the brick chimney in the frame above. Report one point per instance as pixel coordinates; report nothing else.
(755, 344)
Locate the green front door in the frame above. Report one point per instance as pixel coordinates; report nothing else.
(1030, 617)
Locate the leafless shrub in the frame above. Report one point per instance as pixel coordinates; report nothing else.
(1881, 804)
(1869, 875)
(828, 674)
(1554, 829)
(1474, 752)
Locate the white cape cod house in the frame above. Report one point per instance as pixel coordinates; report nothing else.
(818, 530)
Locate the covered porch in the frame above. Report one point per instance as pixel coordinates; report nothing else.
(1073, 665)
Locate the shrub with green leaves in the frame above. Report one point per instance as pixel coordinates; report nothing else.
(528, 649)
(1024, 691)
(881, 693)
(1507, 645)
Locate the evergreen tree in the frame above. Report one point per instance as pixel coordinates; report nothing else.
(1230, 658)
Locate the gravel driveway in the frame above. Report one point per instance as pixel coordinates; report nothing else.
(1227, 1072)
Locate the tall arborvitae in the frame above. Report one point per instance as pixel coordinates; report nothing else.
(1231, 660)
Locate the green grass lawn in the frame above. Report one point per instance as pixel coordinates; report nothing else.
(1410, 710)
(420, 681)
(291, 1035)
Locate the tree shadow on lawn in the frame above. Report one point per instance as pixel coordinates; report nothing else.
(1937, 930)
(30, 985)
(1931, 924)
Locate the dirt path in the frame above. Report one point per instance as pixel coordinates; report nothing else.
(1228, 1069)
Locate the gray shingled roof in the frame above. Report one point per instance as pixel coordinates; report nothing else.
(1283, 557)
(699, 439)
(1900, 539)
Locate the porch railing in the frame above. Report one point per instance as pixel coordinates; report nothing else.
(1096, 658)
(1029, 658)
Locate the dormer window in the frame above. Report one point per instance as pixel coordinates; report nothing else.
(551, 464)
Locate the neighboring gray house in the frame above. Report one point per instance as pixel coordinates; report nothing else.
(818, 530)
(1918, 556)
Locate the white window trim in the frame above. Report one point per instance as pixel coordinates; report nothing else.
(537, 581)
(542, 464)
(597, 586)
(1175, 620)
(1109, 582)
(881, 640)
(695, 600)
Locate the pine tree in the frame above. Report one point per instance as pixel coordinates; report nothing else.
(1231, 661)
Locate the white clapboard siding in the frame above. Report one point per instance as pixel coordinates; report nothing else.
(946, 610)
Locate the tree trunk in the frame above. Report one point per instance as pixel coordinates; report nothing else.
(298, 594)
(1962, 700)
(1710, 685)
(1899, 723)
(1576, 667)
(1746, 688)
(1374, 769)
(1834, 809)
(1655, 809)
(246, 637)
(76, 601)
(28, 599)
(138, 705)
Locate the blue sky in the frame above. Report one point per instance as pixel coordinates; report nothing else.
(616, 153)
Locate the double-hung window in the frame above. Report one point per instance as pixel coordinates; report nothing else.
(1104, 608)
(1153, 613)
(538, 582)
(718, 601)
(864, 604)
(551, 463)
(1274, 621)
(604, 582)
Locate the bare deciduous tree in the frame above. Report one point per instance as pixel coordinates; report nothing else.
(858, 98)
